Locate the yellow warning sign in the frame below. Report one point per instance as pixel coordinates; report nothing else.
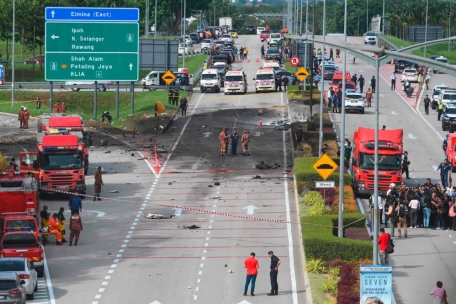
(168, 77)
(159, 107)
(302, 74)
(325, 166)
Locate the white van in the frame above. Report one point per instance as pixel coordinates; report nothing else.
(273, 38)
(154, 78)
(210, 81)
(260, 29)
(271, 64)
(265, 80)
(235, 81)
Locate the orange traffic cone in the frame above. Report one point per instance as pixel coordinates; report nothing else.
(260, 123)
(392, 62)
(340, 60)
(248, 59)
(257, 60)
(240, 60)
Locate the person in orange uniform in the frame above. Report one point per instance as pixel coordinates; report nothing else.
(26, 116)
(54, 228)
(245, 143)
(223, 139)
(56, 107)
(97, 185)
(20, 117)
(63, 107)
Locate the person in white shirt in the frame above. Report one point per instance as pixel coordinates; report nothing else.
(426, 81)
(414, 208)
(393, 82)
(329, 97)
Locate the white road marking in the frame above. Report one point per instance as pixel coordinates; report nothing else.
(250, 209)
(195, 166)
(203, 258)
(98, 297)
(110, 271)
(197, 288)
(198, 281)
(200, 272)
(48, 281)
(410, 136)
(294, 293)
(394, 113)
(201, 265)
(101, 290)
(107, 277)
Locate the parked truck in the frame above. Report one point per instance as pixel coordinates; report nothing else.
(390, 148)
(18, 193)
(58, 163)
(73, 123)
(226, 21)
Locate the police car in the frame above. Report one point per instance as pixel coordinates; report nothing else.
(449, 115)
(354, 101)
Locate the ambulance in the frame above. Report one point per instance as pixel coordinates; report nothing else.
(271, 64)
(265, 80)
(210, 81)
(235, 81)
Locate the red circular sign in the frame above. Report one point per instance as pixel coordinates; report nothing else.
(295, 61)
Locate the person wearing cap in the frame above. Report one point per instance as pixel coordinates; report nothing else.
(25, 117)
(20, 117)
(405, 165)
(275, 262)
(426, 102)
(383, 241)
(299, 136)
(44, 215)
(252, 266)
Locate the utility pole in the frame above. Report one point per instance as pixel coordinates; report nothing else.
(146, 20)
(156, 25)
(13, 66)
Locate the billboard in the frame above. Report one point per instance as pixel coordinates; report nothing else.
(376, 284)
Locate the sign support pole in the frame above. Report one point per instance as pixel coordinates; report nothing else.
(324, 201)
(132, 92)
(95, 97)
(117, 99)
(51, 96)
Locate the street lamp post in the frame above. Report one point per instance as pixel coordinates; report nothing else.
(183, 34)
(322, 74)
(367, 16)
(383, 29)
(13, 66)
(146, 20)
(425, 29)
(156, 25)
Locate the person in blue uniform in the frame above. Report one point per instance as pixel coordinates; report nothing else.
(234, 141)
(275, 262)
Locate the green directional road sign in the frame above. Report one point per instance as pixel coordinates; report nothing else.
(92, 51)
(93, 67)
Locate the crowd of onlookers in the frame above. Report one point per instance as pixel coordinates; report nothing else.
(426, 206)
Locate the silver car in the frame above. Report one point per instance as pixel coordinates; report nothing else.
(25, 272)
(11, 289)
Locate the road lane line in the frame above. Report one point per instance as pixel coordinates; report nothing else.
(294, 292)
(48, 280)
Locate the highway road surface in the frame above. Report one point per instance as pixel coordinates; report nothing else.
(124, 257)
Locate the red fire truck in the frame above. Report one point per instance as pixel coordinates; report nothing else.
(73, 124)
(390, 159)
(18, 193)
(58, 163)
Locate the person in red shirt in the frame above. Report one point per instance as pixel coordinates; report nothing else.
(252, 266)
(383, 241)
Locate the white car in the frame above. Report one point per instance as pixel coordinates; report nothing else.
(260, 29)
(207, 44)
(274, 37)
(410, 75)
(24, 270)
(354, 101)
(436, 91)
(370, 38)
(447, 96)
(227, 38)
(327, 63)
(187, 49)
(440, 59)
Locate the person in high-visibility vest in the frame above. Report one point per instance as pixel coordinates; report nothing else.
(44, 214)
(62, 223)
(440, 110)
(54, 228)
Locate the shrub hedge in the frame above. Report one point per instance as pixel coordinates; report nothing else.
(321, 242)
(315, 124)
(306, 174)
(313, 136)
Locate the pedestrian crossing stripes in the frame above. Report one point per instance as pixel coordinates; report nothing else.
(41, 296)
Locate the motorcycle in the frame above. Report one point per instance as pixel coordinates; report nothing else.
(408, 88)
